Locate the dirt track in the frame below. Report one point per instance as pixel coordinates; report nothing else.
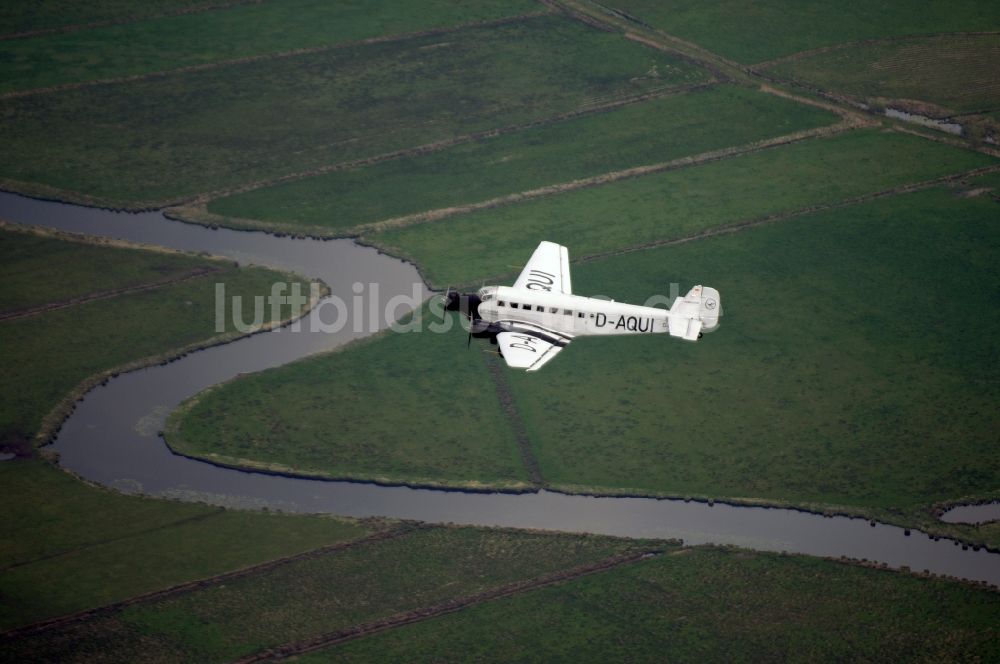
(104, 295)
(417, 615)
(498, 373)
(81, 616)
(265, 56)
(605, 178)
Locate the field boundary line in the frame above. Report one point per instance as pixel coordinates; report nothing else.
(86, 614)
(449, 606)
(510, 410)
(738, 226)
(607, 178)
(188, 210)
(780, 216)
(77, 27)
(108, 294)
(801, 55)
(617, 20)
(89, 545)
(278, 55)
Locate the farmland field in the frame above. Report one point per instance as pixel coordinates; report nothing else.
(374, 410)
(321, 594)
(68, 546)
(666, 143)
(674, 204)
(163, 139)
(639, 134)
(750, 33)
(706, 605)
(838, 377)
(84, 269)
(955, 73)
(18, 16)
(248, 29)
(46, 355)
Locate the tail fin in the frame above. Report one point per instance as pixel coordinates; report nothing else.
(695, 313)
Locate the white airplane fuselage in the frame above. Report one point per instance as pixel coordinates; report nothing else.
(533, 320)
(568, 316)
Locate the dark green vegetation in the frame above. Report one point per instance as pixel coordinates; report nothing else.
(46, 355)
(706, 605)
(31, 260)
(750, 33)
(17, 16)
(183, 134)
(66, 546)
(636, 135)
(848, 370)
(399, 408)
(856, 364)
(317, 595)
(956, 73)
(675, 204)
(240, 31)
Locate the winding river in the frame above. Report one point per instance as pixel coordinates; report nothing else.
(111, 438)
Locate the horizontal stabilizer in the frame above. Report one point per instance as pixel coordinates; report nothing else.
(695, 313)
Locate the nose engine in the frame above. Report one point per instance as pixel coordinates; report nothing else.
(468, 305)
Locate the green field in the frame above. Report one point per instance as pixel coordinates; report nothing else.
(861, 393)
(47, 355)
(956, 73)
(67, 546)
(674, 204)
(18, 16)
(318, 595)
(750, 33)
(168, 138)
(707, 605)
(83, 269)
(403, 407)
(640, 134)
(171, 42)
(847, 371)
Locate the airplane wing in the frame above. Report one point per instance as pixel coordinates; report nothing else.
(526, 351)
(547, 270)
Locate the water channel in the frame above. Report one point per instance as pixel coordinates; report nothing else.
(111, 438)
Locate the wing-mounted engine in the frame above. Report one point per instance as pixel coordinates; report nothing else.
(695, 313)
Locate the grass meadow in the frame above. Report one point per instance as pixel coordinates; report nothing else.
(245, 30)
(17, 16)
(402, 407)
(321, 594)
(68, 546)
(144, 143)
(707, 605)
(84, 269)
(47, 355)
(855, 366)
(954, 72)
(639, 134)
(673, 204)
(750, 33)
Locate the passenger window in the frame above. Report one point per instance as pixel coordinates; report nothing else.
(539, 307)
(579, 314)
(553, 310)
(567, 312)
(501, 303)
(513, 305)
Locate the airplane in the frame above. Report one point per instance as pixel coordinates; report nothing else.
(532, 321)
